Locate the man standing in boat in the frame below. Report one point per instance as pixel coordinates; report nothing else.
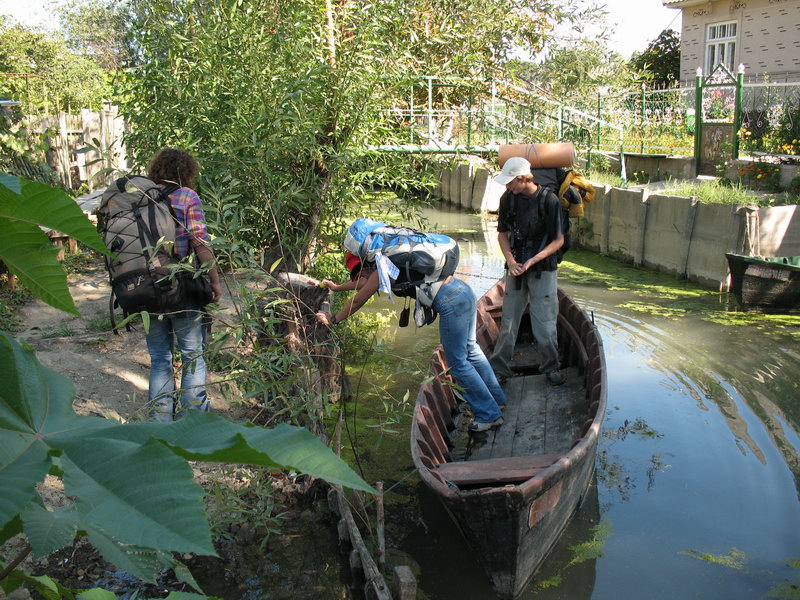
(530, 233)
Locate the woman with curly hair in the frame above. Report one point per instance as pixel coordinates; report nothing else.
(177, 167)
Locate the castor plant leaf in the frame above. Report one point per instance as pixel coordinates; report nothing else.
(48, 531)
(25, 249)
(134, 494)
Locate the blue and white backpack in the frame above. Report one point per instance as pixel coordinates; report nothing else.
(425, 258)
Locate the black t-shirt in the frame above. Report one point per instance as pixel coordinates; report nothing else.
(532, 222)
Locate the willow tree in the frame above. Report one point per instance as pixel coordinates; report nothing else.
(281, 98)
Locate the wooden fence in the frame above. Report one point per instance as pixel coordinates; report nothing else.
(69, 137)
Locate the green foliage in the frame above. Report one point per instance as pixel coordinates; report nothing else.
(761, 175)
(50, 77)
(281, 108)
(134, 514)
(571, 70)
(242, 494)
(788, 130)
(661, 60)
(23, 152)
(26, 250)
(95, 29)
(735, 559)
(717, 192)
(10, 300)
(592, 548)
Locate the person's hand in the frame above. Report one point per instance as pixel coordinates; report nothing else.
(329, 284)
(528, 264)
(516, 269)
(216, 291)
(324, 318)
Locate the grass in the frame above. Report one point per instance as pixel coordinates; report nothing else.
(83, 261)
(714, 191)
(722, 192)
(62, 331)
(99, 323)
(10, 301)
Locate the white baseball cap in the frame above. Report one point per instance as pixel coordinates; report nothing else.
(514, 167)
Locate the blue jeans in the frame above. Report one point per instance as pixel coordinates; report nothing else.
(188, 329)
(456, 306)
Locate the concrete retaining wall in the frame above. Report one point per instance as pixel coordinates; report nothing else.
(471, 188)
(672, 234)
(683, 237)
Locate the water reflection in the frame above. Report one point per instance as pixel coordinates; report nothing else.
(700, 452)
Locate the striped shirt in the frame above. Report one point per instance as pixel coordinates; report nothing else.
(191, 220)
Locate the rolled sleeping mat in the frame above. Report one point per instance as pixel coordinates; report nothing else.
(561, 154)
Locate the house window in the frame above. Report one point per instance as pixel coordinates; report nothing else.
(720, 45)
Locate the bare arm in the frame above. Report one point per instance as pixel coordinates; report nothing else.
(551, 248)
(514, 268)
(206, 257)
(365, 292)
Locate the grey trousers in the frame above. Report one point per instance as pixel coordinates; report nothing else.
(542, 293)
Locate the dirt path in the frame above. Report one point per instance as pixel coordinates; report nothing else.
(110, 372)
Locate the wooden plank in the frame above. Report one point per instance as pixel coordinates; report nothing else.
(530, 434)
(499, 442)
(564, 419)
(496, 470)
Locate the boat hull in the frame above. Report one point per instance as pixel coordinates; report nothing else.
(512, 510)
(764, 284)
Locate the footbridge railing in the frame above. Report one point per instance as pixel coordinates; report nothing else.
(471, 115)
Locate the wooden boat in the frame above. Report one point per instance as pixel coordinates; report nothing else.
(765, 282)
(512, 490)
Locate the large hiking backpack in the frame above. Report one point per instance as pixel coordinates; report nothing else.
(572, 190)
(137, 224)
(424, 257)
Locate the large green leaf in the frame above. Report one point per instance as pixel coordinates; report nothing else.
(48, 531)
(137, 494)
(205, 436)
(144, 563)
(26, 250)
(39, 204)
(134, 492)
(28, 253)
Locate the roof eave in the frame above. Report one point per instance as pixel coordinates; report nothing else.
(683, 3)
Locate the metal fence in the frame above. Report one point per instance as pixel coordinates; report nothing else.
(471, 115)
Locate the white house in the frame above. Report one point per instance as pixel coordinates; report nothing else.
(762, 35)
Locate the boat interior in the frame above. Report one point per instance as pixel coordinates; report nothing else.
(541, 422)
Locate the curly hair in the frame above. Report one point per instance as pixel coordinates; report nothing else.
(170, 165)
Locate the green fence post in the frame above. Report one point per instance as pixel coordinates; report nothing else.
(469, 120)
(698, 119)
(737, 111)
(644, 117)
(411, 116)
(599, 117)
(430, 109)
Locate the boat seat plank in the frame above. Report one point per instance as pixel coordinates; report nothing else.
(495, 470)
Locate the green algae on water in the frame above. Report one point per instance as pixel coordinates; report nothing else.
(663, 295)
(735, 559)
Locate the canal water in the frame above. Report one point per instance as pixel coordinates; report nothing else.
(698, 469)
